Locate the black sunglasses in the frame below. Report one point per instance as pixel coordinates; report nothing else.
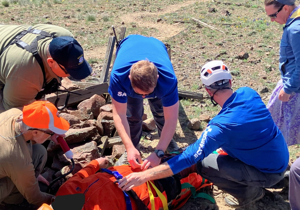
(63, 68)
(276, 13)
(46, 132)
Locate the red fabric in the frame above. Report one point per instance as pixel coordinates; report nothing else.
(101, 193)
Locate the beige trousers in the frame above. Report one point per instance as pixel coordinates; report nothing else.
(39, 158)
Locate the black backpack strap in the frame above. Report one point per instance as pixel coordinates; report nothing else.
(33, 47)
(16, 38)
(139, 204)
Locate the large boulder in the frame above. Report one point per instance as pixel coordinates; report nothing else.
(89, 123)
(82, 114)
(105, 119)
(72, 119)
(118, 151)
(106, 108)
(83, 155)
(66, 83)
(93, 104)
(80, 135)
(108, 127)
(105, 115)
(75, 136)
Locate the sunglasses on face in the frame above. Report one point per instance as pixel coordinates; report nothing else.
(276, 13)
(46, 132)
(63, 68)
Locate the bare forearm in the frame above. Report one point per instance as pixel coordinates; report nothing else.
(138, 178)
(167, 134)
(122, 127)
(158, 172)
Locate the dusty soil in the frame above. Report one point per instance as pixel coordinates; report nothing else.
(243, 37)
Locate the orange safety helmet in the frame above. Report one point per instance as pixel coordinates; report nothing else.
(44, 115)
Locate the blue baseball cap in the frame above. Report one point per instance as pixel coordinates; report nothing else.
(66, 51)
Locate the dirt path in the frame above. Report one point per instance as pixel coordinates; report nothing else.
(164, 30)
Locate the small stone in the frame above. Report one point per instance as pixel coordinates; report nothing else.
(264, 90)
(243, 55)
(149, 125)
(205, 118)
(194, 124)
(212, 10)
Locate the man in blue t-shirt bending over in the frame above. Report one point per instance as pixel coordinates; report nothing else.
(142, 70)
(244, 129)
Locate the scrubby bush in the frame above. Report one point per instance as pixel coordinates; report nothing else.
(91, 18)
(5, 3)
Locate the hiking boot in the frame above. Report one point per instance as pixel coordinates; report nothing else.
(233, 202)
(122, 160)
(173, 147)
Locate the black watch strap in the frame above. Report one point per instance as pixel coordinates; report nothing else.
(159, 153)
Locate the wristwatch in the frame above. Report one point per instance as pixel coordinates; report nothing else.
(159, 153)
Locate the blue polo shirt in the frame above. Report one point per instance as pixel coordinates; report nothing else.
(245, 130)
(133, 49)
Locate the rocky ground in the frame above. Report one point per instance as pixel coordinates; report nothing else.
(239, 33)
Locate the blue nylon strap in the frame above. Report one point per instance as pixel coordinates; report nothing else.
(116, 174)
(119, 176)
(127, 200)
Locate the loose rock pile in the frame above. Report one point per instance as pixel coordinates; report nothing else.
(91, 126)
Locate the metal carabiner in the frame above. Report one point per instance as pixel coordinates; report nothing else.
(66, 102)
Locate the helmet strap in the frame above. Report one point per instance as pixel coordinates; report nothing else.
(212, 97)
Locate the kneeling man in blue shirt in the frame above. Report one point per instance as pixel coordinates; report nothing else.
(143, 70)
(244, 129)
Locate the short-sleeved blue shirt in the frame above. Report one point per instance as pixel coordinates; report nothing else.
(245, 130)
(133, 49)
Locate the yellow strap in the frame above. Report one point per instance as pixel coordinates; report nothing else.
(151, 196)
(160, 195)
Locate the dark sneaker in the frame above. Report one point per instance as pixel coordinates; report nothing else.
(173, 147)
(233, 202)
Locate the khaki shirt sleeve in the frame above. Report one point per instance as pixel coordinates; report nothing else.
(21, 172)
(19, 92)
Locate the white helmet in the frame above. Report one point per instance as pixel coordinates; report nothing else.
(214, 71)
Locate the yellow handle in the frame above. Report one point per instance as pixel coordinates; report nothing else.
(160, 195)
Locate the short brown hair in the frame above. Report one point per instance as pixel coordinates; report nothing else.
(273, 2)
(143, 75)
